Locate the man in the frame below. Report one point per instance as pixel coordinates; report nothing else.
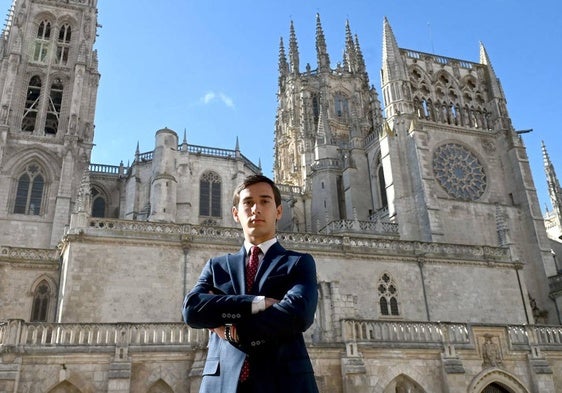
(256, 344)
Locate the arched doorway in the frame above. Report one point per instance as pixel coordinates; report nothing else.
(496, 388)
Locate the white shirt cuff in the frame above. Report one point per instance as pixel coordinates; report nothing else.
(258, 304)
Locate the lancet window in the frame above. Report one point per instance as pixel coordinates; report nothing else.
(41, 302)
(30, 190)
(388, 296)
(210, 195)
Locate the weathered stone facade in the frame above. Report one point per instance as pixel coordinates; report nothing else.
(434, 267)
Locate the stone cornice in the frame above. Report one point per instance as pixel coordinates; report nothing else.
(34, 256)
(359, 245)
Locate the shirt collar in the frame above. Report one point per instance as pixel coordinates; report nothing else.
(264, 247)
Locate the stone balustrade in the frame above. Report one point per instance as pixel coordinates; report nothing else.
(207, 151)
(20, 335)
(425, 334)
(420, 333)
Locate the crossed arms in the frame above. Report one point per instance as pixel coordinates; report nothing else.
(211, 305)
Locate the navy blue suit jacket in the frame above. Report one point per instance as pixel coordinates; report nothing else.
(272, 338)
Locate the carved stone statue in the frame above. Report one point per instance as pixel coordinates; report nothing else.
(490, 353)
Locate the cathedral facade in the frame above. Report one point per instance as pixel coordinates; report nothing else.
(436, 270)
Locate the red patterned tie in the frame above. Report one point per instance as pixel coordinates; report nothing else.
(252, 267)
(251, 271)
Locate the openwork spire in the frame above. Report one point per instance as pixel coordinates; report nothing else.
(321, 49)
(293, 50)
(360, 59)
(350, 54)
(554, 190)
(283, 65)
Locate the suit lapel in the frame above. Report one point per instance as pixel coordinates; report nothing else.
(236, 267)
(270, 260)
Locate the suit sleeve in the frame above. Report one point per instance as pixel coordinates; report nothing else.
(207, 307)
(291, 316)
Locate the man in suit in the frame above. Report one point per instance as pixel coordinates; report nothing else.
(257, 343)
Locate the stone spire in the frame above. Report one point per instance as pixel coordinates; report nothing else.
(283, 65)
(554, 190)
(393, 67)
(137, 153)
(494, 83)
(293, 50)
(350, 54)
(184, 142)
(360, 59)
(498, 104)
(321, 49)
(394, 74)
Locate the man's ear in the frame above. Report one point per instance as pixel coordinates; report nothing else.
(235, 214)
(279, 212)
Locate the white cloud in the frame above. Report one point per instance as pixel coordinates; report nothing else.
(211, 96)
(226, 100)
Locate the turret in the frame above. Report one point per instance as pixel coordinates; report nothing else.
(163, 189)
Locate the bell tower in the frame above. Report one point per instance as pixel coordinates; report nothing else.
(48, 83)
(324, 116)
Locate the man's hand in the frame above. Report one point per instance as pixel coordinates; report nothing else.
(270, 302)
(219, 331)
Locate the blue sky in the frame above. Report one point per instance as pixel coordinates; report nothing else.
(210, 67)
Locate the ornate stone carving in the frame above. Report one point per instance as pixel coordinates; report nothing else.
(491, 354)
(459, 172)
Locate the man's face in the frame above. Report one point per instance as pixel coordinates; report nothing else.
(257, 213)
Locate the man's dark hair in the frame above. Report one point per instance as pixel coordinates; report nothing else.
(251, 180)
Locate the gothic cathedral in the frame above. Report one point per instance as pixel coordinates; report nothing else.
(437, 272)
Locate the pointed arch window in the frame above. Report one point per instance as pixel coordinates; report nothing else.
(210, 195)
(315, 107)
(41, 302)
(29, 192)
(54, 107)
(388, 296)
(31, 104)
(63, 44)
(98, 203)
(41, 50)
(341, 106)
(382, 187)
